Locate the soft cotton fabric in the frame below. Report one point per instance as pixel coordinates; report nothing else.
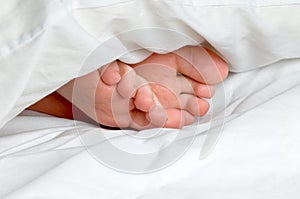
(257, 157)
(44, 44)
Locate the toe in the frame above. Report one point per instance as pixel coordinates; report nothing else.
(126, 86)
(190, 86)
(144, 99)
(139, 120)
(221, 65)
(110, 73)
(178, 118)
(201, 64)
(194, 105)
(204, 91)
(157, 116)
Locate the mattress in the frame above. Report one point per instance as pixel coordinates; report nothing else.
(255, 153)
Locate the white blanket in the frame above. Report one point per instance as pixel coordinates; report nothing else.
(44, 44)
(257, 156)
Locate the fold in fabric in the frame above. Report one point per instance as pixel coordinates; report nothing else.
(45, 43)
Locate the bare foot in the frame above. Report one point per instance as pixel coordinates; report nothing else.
(104, 103)
(180, 96)
(149, 94)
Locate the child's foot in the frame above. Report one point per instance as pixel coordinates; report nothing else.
(201, 70)
(181, 97)
(104, 104)
(161, 97)
(116, 96)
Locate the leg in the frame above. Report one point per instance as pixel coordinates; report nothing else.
(56, 105)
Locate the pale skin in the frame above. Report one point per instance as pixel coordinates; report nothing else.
(148, 94)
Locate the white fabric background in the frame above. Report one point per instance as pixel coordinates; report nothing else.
(45, 43)
(256, 157)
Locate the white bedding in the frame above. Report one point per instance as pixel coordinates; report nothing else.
(258, 155)
(44, 44)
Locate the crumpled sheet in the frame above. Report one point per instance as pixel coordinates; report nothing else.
(44, 44)
(256, 157)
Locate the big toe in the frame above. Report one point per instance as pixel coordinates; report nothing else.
(201, 64)
(221, 69)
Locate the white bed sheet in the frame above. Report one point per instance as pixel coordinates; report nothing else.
(258, 155)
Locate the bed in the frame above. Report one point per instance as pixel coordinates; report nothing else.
(246, 147)
(256, 156)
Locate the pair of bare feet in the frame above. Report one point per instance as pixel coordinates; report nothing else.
(165, 90)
